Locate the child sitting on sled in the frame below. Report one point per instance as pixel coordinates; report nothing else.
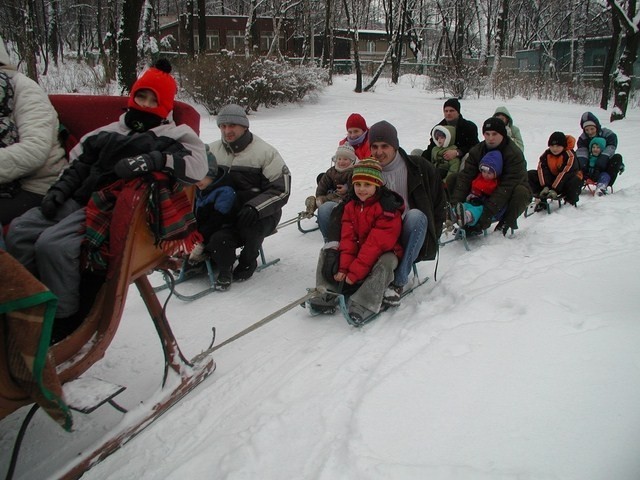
(333, 185)
(558, 171)
(444, 138)
(214, 206)
(369, 245)
(595, 167)
(482, 186)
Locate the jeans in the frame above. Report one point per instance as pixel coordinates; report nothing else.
(324, 215)
(414, 230)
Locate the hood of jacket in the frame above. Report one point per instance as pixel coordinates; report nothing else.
(503, 111)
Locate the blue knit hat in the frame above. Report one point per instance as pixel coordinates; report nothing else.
(492, 160)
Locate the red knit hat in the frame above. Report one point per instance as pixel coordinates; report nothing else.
(368, 170)
(158, 79)
(356, 120)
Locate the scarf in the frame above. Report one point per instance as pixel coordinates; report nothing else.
(169, 215)
(357, 141)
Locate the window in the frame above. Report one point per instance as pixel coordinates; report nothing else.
(266, 38)
(213, 40)
(235, 40)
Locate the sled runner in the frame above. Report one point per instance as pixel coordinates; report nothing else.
(543, 205)
(73, 355)
(592, 187)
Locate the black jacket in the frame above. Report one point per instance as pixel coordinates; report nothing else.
(466, 137)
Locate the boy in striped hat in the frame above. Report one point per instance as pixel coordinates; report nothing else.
(370, 245)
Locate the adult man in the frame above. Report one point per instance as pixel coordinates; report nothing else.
(466, 131)
(510, 199)
(609, 162)
(419, 185)
(262, 182)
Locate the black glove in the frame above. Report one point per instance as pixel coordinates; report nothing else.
(247, 216)
(139, 165)
(51, 202)
(331, 264)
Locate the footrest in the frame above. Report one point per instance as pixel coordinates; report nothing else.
(85, 394)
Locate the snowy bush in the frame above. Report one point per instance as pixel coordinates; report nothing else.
(215, 81)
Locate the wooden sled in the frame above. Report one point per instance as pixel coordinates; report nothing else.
(89, 342)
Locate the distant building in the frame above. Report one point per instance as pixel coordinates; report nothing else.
(227, 32)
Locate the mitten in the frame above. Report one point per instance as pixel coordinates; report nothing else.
(553, 195)
(331, 264)
(51, 202)
(544, 192)
(135, 166)
(247, 216)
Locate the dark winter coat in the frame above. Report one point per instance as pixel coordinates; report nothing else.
(555, 170)
(368, 230)
(326, 190)
(214, 206)
(611, 140)
(93, 159)
(514, 173)
(466, 137)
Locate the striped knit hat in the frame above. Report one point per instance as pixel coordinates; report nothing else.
(368, 170)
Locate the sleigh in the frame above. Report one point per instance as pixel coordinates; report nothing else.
(89, 342)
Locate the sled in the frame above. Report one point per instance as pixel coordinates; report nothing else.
(342, 302)
(302, 219)
(592, 187)
(188, 272)
(88, 343)
(543, 205)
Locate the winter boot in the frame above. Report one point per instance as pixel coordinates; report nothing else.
(225, 277)
(198, 255)
(359, 314)
(325, 304)
(244, 271)
(392, 295)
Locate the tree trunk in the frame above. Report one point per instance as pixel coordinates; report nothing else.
(612, 53)
(202, 26)
(127, 50)
(247, 29)
(54, 37)
(353, 31)
(624, 73)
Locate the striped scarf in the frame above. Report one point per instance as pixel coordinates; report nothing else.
(169, 215)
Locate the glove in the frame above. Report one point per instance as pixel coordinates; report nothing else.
(247, 216)
(544, 192)
(51, 202)
(331, 264)
(139, 165)
(553, 195)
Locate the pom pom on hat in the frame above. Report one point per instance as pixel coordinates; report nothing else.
(453, 103)
(233, 115)
(368, 170)
(496, 125)
(158, 79)
(384, 132)
(355, 120)
(557, 138)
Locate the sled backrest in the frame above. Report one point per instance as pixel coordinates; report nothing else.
(81, 114)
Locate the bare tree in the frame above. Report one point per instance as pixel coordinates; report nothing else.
(612, 54)
(127, 49)
(354, 10)
(501, 32)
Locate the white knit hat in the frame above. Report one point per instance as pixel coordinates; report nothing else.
(345, 150)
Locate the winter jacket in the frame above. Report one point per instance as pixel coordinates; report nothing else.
(512, 131)
(38, 157)
(426, 193)
(362, 150)
(326, 190)
(514, 173)
(555, 170)
(482, 187)
(368, 230)
(258, 172)
(611, 140)
(451, 166)
(93, 158)
(214, 206)
(466, 137)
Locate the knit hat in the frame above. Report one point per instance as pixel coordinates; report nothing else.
(347, 151)
(384, 132)
(589, 119)
(557, 138)
(496, 125)
(233, 115)
(368, 170)
(453, 103)
(355, 120)
(493, 160)
(158, 79)
(601, 142)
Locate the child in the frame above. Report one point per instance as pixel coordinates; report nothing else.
(215, 199)
(596, 166)
(482, 186)
(143, 140)
(444, 138)
(334, 184)
(357, 136)
(558, 172)
(369, 239)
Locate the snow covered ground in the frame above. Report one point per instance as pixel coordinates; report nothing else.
(520, 362)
